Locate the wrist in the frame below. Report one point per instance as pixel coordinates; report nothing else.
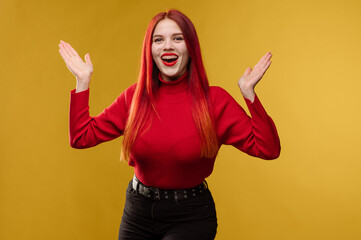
(82, 84)
(249, 94)
(81, 87)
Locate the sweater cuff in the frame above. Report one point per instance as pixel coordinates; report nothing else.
(80, 99)
(255, 108)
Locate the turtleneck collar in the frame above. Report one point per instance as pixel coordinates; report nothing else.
(175, 86)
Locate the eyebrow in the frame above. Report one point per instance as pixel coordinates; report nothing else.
(174, 34)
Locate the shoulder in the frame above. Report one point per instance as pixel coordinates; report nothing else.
(130, 89)
(219, 94)
(127, 95)
(217, 90)
(222, 100)
(129, 92)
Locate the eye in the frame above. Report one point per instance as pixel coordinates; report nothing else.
(178, 38)
(157, 39)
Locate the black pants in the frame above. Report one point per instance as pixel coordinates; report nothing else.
(186, 219)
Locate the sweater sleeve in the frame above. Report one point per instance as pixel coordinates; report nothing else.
(256, 135)
(86, 131)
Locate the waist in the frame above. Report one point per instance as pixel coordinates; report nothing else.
(168, 194)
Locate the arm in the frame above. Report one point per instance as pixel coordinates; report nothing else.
(251, 77)
(86, 131)
(264, 138)
(81, 70)
(257, 135)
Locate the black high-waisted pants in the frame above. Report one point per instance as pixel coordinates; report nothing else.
(186, 219)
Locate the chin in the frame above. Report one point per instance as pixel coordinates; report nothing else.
(170, 74)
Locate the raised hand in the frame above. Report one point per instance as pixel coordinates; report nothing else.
(251, 77)
(81, 70)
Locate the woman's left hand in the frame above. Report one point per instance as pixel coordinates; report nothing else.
(251, 77)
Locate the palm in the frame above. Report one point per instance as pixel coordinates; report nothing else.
(252, 76)
(73, 61)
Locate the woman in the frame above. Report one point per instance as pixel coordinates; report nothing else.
(173, 125)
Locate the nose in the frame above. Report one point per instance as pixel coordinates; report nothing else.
(168, 45)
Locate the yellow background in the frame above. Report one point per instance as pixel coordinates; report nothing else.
(313, 191)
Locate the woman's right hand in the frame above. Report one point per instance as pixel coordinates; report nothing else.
(81, 70)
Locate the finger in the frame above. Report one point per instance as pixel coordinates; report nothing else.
(265, 68)
(259, 63)
(70, 49)
(87, 58)
(65, 58)
(267, 65)
(63, 54)
(260, 71)
(248, 70)
(62, 44)
(66, 50)
(61, 47)
(265, 58)
(268, 57)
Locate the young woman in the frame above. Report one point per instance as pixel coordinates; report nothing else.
(173, 124)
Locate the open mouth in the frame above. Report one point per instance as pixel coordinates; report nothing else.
(169, 59)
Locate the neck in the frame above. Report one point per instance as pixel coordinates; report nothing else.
(171, 79)
(176, 86)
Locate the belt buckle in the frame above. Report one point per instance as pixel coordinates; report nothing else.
(156, 193)
(143, 191)
(135, 183)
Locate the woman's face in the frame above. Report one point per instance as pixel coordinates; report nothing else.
(169, 50)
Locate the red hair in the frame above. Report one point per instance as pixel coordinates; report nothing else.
(142, 105)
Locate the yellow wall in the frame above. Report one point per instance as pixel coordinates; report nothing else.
(50, 191)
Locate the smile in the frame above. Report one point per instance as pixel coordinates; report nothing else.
(169, 59)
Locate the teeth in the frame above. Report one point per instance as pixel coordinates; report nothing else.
(169, 57)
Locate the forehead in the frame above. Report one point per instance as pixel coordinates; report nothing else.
(166, 26)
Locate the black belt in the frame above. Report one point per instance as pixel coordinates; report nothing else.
(158, 194)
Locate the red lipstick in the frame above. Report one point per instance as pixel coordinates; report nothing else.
(169, 64)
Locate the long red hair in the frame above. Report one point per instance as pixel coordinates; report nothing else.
(142, 105)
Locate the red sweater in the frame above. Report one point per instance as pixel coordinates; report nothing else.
(168, 155)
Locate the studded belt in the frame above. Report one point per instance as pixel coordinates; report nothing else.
(178, 194)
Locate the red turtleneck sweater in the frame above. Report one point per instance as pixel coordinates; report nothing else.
(168, 155)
